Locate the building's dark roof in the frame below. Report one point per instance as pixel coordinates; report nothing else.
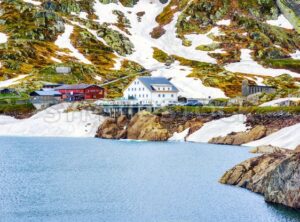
(78, 86)
(45, 93)
(149, 81)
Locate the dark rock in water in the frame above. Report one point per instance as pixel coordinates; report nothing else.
(276, 176)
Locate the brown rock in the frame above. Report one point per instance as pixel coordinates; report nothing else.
(297, 149)
(146, 126)
(122, 121)
(267, 149)
(240, 138)
(108, 129)
(276, 176)
(194, 125)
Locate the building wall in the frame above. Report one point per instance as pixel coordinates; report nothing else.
(143, 95)
(92, 92)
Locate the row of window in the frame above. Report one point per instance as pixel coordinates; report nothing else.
(146, 95)
(139, 96)
(164, 95)
(135, 89)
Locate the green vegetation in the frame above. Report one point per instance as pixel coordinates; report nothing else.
(17, 110)
(235, 109)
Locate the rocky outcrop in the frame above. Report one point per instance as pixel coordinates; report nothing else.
(113, 128)
(276, 176)
(240, 138)
(143, 126)
(146, 126)
(267, 149)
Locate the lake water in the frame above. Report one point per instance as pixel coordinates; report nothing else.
(58, 179)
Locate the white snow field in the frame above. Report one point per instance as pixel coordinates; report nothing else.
(296, 55)
(276, 102)
(33, 2)
(225, 22)
(3, 38)
(12, 81)
(248, 66)
(180, 137)
(53, 122)
(221, 127)
(63, 41)
(281, 22)
(288, 138)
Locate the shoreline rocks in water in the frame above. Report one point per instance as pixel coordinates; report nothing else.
(275, 176)
(166, 125)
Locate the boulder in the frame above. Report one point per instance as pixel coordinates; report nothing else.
(275, 175)
(297, 149)
(240, 138)
(267, 149)
(113, 128)
(108, 129)
(146, 126)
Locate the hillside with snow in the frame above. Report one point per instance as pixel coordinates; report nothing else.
(205, 48)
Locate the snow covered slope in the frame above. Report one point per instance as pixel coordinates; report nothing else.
(53, 122)
(221, 127)
(288, 137)
(210, 49)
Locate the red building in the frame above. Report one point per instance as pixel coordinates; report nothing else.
(81, 92)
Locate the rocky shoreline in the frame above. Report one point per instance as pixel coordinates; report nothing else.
(274, 175)
(162, 126)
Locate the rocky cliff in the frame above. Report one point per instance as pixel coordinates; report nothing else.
(150, 127)
(162, 126)
(275, 176)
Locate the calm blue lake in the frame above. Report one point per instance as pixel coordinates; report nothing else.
(58, 179)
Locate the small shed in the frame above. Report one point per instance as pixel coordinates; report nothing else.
(45, 98)
(63, 70)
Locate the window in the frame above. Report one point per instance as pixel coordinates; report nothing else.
(163, 95)
(159, 95)
(172, 95)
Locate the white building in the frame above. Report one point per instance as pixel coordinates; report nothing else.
(157, 91)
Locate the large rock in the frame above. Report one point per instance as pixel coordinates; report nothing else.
(267, 149)
(240, 138)
(113, 128)
(276, 176)
(146, 126)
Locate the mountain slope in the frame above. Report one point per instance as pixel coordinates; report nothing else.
(209, 46)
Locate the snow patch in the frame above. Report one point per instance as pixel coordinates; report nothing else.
(288, 137)
(276, 102)
(63, 41)
(248, 66)
(281, 22)
(53, 122)
(56, 60)
(33, 2)
(3, 38)
(188, 87)
(221, 127)
(296, 55)
(12, 81)
(225, 22)
(180, 137)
